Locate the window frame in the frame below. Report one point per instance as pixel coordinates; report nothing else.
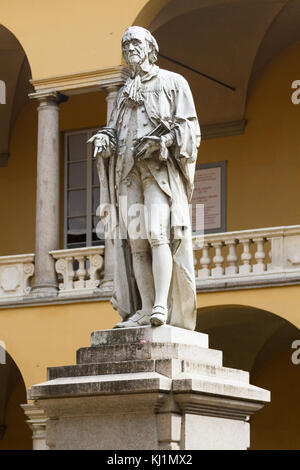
(89, 189)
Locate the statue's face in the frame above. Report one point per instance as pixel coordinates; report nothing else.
(135, 47)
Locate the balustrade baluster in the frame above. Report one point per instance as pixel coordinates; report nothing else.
(81, 272)
(96, 264)
(218, 259)
(246, 256)
(204, 261)
(260, 255)
(232, 257)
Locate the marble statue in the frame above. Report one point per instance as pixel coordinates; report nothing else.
(146, 161)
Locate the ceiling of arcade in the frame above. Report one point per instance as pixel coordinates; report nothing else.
(15, 73)
(229, 40)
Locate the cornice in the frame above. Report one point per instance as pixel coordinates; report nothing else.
(82, 82)
(223, 129)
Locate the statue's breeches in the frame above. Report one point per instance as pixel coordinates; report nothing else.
(144, 210)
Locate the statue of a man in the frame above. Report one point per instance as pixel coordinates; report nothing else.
(146, 159)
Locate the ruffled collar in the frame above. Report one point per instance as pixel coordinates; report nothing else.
(133, 86)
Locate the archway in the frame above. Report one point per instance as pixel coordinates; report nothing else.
(14, 432)
(230, 41)
(15, 74)
(261, 343)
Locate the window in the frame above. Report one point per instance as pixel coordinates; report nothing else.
(81, 198)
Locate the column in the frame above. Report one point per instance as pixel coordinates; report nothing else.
(107, 283)
(47, 193)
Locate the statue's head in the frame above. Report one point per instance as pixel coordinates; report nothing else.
(138, 44)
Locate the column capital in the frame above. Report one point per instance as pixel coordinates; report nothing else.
(48, 96)
(112, 84)
(111, 89)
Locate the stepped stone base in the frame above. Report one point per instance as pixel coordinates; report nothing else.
(148, 388)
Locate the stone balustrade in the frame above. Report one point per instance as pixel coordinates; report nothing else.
(248, 257)
(78, 270)
(230, 260)
(15, 274)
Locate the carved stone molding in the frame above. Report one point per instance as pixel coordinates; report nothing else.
(15, 274)
(223, 129)
(83, 82)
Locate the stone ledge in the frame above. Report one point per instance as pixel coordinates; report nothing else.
(202, 285)
(220, 386)
(167, 367)
(206, 395)
(163, 334)
(263, 280)
(144, 351)
(100, 385)
(82, 82)
(105, 404)
(208, 405)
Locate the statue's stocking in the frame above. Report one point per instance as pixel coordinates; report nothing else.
(142, 267)
(162, 265)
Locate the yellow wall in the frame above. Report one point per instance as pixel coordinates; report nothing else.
(271, 428)
(263, 169)
(76, 35)
(40, 337)
(281, 301)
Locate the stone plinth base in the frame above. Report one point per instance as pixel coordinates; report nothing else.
(148, 388)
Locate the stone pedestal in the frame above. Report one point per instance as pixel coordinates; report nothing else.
(148, 388)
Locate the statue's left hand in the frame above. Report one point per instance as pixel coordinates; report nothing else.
(150, 144)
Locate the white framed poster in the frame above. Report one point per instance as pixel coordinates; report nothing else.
(210, 194)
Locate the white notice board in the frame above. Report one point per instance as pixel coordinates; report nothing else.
(210, 191)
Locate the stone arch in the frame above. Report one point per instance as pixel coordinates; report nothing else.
(15, 75)
(260, 342)
(246, 35)
(14, 432)
(281, 33)
(149, 12)
(236, 328)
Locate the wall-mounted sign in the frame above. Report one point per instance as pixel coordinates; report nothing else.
(210, 190)
(2, 92)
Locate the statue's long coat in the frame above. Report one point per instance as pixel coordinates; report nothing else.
(168, 100)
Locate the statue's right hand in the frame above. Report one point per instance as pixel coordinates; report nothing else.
(101, 144)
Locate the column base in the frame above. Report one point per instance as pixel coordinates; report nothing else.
(44, 290)
(155, 388)
(107, 286)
